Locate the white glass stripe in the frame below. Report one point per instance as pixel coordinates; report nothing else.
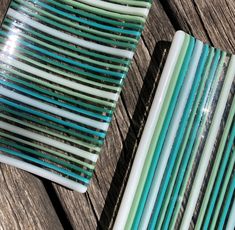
(208, 149)
(43, 173)
(117, 7)
(48, 141)
(59, 80)
(77, 41)
(169, 140)
(51, 109)
(148, 132)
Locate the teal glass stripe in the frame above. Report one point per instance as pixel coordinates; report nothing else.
(56, 95)
(68, 124)
(191, 140)
(64, 66)
(58, 42)
(92, 48)
(179, 135)
(56, 127)
(71, 29)
(219, 179)
(228, 203)
(101, 34)
(187, 113)
(70, 61)
(46, 156)
(160, 143)
(29, 92)
(45, 164)
(87, 22)
(95, 17)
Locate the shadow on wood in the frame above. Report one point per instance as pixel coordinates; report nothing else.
(64, 220)
(125, 161)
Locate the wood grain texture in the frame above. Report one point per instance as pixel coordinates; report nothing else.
(211, 21)
(3, 7)
(26, 202)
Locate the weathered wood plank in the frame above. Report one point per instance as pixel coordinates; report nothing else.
(3, 7)
(211, 21)
(218, 18)
(97, 208)
(24, 202)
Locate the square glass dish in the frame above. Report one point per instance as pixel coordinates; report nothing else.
(62, 67)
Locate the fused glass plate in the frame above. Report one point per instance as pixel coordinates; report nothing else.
(62, 67)
(183, 171)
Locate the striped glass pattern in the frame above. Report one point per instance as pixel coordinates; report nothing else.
(62, 67)
(183, 173)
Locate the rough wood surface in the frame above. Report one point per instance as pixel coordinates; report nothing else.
(211, 21)
(31, 202)
(24, 202)
(3, 7)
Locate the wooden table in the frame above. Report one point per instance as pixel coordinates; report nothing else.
(28, 202)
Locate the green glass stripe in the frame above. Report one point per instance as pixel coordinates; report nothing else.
(54, 102)
(25, 37)
(219, 156)
(58, 88)
(133, 3)
(153, 144)
(194, 101)
(51, 69)
(222, 193)
(91, 23)
(228, 201)
(68, 60)
(189, 126)
(164, 131)
(219, 179)
(45, 164)
(48, 92)
(63, 67)
(59, 50)
(197, 123)
(104, 13)
(43, 130)
(72, 24)
(65, 45)
(56, 120)
(56, 153)
(55, 127)
(174, 161)
(69, 28)
(95, 17)
(46, 156)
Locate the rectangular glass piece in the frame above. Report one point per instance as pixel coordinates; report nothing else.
(62, 67)
(190, 129)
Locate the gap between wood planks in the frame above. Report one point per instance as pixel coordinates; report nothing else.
(201, 19)
(98, 207)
